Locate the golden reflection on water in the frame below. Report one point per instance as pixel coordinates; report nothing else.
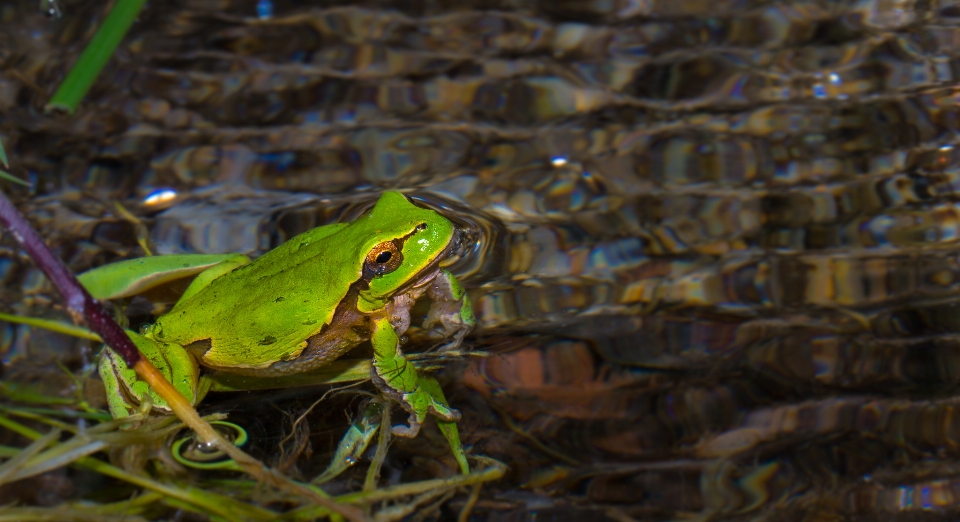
(713, 245)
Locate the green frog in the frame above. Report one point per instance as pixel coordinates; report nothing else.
(300, 307)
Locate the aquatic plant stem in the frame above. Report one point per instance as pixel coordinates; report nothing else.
(80, 304)
(84, 308)
(96, 55)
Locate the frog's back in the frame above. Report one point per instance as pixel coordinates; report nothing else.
(261, 312)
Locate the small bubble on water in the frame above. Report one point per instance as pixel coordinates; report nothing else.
(160, 196)
(51, 8)
(207, 447)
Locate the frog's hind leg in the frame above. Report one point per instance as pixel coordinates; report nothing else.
(206, 277)
(134, 276)
(447, 428)
(399, 379)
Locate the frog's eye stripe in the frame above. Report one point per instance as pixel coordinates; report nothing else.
(382, 259)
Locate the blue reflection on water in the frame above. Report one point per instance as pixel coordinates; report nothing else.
(264, 9)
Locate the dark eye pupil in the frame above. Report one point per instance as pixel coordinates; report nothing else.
(383, 257)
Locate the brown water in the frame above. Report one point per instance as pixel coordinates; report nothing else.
(716, 242)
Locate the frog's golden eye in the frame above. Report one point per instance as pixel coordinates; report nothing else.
(382, 259)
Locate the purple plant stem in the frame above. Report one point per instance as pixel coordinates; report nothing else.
(81, 305)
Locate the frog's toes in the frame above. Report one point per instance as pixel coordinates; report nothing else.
(451, 312)
(419, 404)
(444, 324)
(444, 412)
(454, 343)
(415, 420)
(407, 431)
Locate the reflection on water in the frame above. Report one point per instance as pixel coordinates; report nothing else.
(715, 245)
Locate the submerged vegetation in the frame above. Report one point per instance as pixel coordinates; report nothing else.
(65, 443)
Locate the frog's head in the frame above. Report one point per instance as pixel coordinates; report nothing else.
(406, 243)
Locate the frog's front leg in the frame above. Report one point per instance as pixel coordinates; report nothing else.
(399, 379)
(125, 390)
(451, 314)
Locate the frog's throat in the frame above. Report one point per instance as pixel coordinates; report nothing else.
(368, 304)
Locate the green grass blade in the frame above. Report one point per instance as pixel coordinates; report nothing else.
(95, 56)
(53, 326)
(6, 164)
(11, 178)
(19, 461)
(3, 157)
(32, 394)
(55, 458)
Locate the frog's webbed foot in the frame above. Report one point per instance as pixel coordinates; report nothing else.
(451, 314)
(425, 398)
(413, 427)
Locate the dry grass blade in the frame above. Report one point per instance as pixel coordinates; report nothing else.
(493, 470)
(61, 514)
(196, 500)
(405, 509)
(12, 467)
(124, 511)
(60, 455)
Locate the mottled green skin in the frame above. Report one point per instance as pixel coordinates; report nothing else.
(263, 312)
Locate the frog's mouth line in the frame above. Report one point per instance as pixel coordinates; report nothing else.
(429, 272)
